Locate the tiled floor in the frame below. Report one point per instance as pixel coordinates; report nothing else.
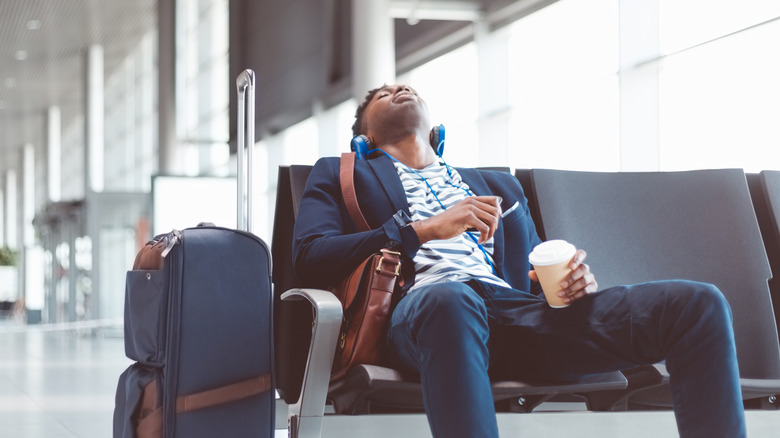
(60, 382)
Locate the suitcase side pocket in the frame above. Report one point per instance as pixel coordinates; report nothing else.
(145, 312)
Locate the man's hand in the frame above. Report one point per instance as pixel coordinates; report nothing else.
(475, 212)
(578, 283)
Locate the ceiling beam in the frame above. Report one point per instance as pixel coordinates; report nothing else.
(455, 10)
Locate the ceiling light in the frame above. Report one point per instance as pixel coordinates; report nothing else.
(34, 24)
(21, 55)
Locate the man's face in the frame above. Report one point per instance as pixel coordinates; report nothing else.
(393, 113)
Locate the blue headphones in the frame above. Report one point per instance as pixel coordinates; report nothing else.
(362, 146)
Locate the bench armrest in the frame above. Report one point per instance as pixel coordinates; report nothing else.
(305, 416)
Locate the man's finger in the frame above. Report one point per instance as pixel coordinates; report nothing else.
(578, 258)
(576, 274)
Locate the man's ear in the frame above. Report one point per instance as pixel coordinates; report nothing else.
(371, 142)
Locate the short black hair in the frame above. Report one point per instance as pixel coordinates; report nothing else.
(358, 127)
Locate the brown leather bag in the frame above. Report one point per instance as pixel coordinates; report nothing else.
(151, 256)
(366, 294)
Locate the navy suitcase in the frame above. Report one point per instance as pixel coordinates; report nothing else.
(200, 331)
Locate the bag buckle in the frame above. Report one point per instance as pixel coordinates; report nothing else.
(386, 251)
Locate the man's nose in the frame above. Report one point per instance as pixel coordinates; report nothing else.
(400, 87)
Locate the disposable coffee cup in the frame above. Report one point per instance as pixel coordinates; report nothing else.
(551, 260)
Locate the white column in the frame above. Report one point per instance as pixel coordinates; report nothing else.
(373, 46)
(639, 106)
(54, 153)
(28, 195)
(27, 231)
(493, 83)
(168, 162)
(33, 286)
(94, 120)
(11, 209)
(31, 274)
(3, 220)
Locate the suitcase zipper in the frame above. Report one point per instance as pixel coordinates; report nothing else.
(171, 239)
(170, 378)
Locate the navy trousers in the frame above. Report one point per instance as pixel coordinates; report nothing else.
(458, 335)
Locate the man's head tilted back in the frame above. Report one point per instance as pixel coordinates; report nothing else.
(390, 114)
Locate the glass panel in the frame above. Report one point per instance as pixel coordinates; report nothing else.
(564, 88)
(117, 250)
(575, 129)
(130, 116)
(300, 143)
(719, 103)
(345, 117)
(204, 93)
(570, 42)
(685, 23)
(448, 84)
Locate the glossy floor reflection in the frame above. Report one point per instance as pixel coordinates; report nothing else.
(59, 381)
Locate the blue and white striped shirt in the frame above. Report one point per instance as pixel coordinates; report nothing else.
(455, 259)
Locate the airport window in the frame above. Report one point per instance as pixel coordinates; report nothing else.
(203, 86)
(300, 144)
(710, 100)
(343, 115)
(449, 86)
(563, 87)
(687, 23)
(297, 144)
(73, 161)
(718, 100)
(131, 120)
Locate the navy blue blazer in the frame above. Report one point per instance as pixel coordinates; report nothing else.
(327, 244)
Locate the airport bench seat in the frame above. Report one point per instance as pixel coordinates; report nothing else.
(696, 225)
(306, 327)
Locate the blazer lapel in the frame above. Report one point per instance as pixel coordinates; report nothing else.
(386, 174)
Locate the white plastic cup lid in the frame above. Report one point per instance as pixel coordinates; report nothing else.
(551, 252)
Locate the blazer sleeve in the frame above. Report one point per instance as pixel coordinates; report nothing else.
(326, 243)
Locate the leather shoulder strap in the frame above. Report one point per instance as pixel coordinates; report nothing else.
(347, 177)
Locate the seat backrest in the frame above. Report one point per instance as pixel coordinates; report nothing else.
(770, 181)
(696, 225)
(524, 176)
(765, 192)
(291, 333)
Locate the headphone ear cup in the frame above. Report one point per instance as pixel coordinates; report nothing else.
(360, 145)
(437, 139)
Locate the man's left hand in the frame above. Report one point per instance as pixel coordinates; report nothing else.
(578, 283)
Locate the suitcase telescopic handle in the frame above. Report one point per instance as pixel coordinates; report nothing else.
(245, 83)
